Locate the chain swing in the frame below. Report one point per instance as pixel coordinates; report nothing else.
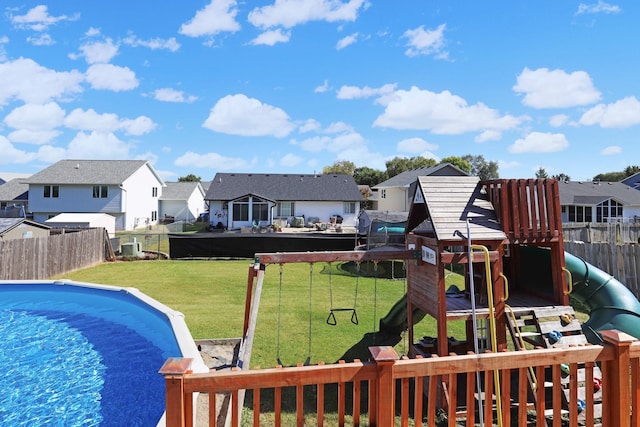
(278, 360)
(308, 360)
(331, 319)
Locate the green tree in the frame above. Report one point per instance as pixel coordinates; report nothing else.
(541, 173)
(458, 162)
(369, 176)
(482, 168)
(617, 176)
(189, 178)
(562, 177)
(398, 165)
(340, 167)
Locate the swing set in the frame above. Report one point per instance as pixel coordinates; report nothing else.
(256, 278)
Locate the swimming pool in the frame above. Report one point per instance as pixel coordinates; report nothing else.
(84, 354)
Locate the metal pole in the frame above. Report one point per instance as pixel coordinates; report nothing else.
(475, 321)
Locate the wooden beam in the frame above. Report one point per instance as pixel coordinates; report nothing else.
(335, 256)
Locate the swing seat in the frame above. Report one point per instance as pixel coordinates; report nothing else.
(331, 320)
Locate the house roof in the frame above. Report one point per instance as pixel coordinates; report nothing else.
(284, 187)
(8, 176)
(406, 178)
(593, 193)
(107, 172)
(67, 217)
(8, 224)
(386, 216)
(16, 189)
(180, 190)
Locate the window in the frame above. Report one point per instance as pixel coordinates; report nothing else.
(154, 215)
(259, 210)
(383, 193)
(285, 209)
(154, 192)
(51, 191)
(608, 210)
(241, 209)
(349, 207)
(100, 191)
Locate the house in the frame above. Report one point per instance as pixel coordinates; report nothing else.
(14, 198)
(129, 190)
(395, 193)
(598, 201)
(182, 201)
(632, 181)
(21, 228)
(8, 176)
(84, 220)
(244, 199)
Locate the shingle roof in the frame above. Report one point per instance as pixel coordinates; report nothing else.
(16, 189)
(7, 224)
(179, 190)
(284, 187)
(106, 172)
(405, 178)
(593, 193)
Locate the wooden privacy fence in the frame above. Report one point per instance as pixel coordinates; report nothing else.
(602, 232)
(620, 261)
(389, 391)
(42, 257)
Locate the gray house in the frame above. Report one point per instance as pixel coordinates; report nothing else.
(21, 228)
(599, 202)
(182, 201)
(244, 199)
(395, 193)
(14, 198)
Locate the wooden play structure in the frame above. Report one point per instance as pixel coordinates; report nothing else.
(514, 299)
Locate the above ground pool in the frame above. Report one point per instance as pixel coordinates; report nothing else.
(82, 354)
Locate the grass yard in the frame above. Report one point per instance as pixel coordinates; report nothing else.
(292, 321)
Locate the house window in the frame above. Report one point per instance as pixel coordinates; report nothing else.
(349, 207)
(100, 191)
(580, 213)
(383, 193)
(259, 210)
(154, 215)
(285, 209)
(241, 209)
(154, 192)
(609, 210)
(51, 191)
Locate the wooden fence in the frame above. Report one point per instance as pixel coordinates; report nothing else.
(43, 257)
(570, 389)
(602, 232)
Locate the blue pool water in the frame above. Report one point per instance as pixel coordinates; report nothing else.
(71, 355)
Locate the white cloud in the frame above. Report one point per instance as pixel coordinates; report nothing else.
(41, 40)
(172, 95)
(210, 161)
(558, 120)
(540, 142)
(27, 136)
(338, 127)
(290, 160)
(106, 123)
(354, 92)
(97, 145)
(544, 88)
(611, 150)
(600, 7)
(218, 16)
(92, 32)
(415, 146)
(488, 135)
(35, 117)
(100, 52)
(347, 41)
(289, 13)
(621, 114)
(241, 115)
(111, 77)
(309, 125)
(29, 82)
(441, 113)
(426, 42)
(271, 37)
(153, 44)
(38, 19)
(322, 88)
(11, 155)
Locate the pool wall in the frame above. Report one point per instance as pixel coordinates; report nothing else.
(154, 316)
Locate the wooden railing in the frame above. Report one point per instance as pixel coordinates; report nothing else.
(388, 391)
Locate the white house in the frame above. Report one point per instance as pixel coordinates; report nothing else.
(243, 199)
(84, 220)
(184, 201)
(129, 190)
(587, 201)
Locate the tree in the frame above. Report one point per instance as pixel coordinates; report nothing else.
(369, 176)
(541, 173)
(617, 176)
(189, 178)
(398, 165)
(562, 177)
(458, 162)
(481, 168)
(340, 167)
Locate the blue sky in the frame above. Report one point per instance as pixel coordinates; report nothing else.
(291, 86)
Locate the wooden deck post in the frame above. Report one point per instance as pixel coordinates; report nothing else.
(179, 408)
(617, 398)
(385, 357)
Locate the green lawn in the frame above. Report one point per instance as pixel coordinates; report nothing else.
(211, 294)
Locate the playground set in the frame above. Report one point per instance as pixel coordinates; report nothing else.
(506, 238)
